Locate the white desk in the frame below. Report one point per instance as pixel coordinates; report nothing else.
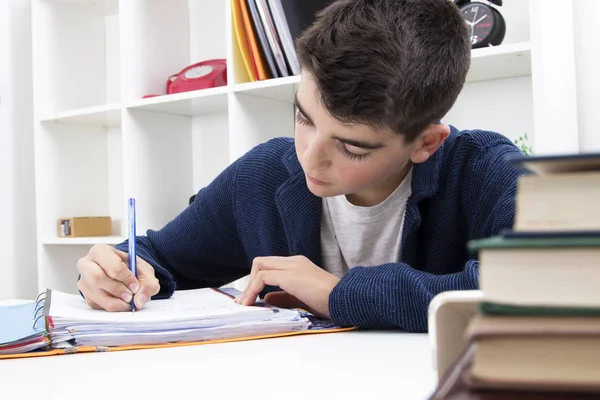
(348, 365)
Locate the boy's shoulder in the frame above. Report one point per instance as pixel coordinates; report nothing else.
(272, 150)
(271, 162)
(475, 142)
(478, 145)
(276, 152)
(472, 159)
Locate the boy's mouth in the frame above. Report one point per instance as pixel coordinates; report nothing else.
(316, 181)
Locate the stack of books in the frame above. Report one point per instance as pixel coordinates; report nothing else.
(265, 33)
(537, 331)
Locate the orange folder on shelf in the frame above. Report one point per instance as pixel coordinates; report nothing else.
(252, 41)
(190, 317)
(241, 39)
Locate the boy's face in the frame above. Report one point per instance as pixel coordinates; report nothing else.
(364, 164)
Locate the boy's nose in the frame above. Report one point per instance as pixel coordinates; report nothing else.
(316, 156)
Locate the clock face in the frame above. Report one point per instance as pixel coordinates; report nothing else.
(480, 21)
(198, 72)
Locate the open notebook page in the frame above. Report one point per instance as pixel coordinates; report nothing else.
(183, 305)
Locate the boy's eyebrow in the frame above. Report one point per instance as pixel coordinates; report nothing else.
(351, 142)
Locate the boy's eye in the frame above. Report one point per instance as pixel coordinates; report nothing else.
(357, 150)
(353, 152)
(301, 119)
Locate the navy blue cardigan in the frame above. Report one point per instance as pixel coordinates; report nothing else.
(260, 206)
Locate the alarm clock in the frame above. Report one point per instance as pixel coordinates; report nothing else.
(202, 75)
(486, 25)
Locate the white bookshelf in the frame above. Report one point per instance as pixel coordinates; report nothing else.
(108, 115)
(187, 104)
(98, 141)
(88, 241)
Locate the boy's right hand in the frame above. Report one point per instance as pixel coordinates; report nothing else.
(108, 284)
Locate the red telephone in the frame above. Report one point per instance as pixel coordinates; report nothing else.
(202, 75)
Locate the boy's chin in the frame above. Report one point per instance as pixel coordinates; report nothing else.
(322, 191)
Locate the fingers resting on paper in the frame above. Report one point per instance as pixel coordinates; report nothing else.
(286, 300)
(307, 285)
(107, 283)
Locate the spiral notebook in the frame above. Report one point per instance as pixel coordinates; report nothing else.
(21, 330)
(61, 323)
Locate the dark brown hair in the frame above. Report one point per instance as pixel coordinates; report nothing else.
(397, 64)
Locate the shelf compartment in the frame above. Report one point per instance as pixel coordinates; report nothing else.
(181, 155)
(76, 54)
(498, 62)
(190, 31)
(78, 174)
(189, 104)
(106, 116)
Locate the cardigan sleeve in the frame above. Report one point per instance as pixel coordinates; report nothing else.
(200, 247)
(395, 295)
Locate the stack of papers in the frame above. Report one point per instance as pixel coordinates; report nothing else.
(188, 316)
(21, 331)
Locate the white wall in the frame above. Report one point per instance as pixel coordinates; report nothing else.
(554, 81)
(17, 208)
(587, 66)
(500, 105)
(566, 87)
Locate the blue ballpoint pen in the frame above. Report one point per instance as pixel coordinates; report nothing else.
(131, 234)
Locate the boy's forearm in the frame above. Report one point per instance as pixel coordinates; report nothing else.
(393, 295)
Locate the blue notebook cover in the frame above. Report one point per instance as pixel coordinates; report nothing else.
(17, 323)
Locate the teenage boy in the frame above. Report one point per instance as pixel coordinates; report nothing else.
(366, 214)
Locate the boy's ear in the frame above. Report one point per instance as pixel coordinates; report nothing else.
(428, 142)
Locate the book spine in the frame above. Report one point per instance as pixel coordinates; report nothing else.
(283, 30)
(494, 308)
(272, 38)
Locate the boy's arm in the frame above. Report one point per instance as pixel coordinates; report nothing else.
(397, 295)
(200, 247)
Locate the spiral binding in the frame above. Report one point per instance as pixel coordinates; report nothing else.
(40, 302)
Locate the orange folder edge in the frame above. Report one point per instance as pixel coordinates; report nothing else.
(90, 349)
(242, 41)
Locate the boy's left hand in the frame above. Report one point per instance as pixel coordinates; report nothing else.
(305, 284)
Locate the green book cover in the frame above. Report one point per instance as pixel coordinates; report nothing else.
(492, 308)
(533, 241)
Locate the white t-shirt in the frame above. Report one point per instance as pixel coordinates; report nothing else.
(362, 236)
